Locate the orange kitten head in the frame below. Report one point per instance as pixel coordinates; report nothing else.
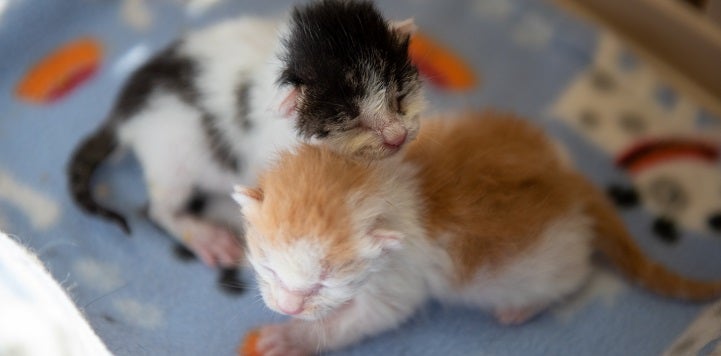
(314, 231)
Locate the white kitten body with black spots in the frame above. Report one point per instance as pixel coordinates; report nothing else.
(210, 111)
(172, 174)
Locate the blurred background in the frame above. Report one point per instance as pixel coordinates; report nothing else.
(632, 87)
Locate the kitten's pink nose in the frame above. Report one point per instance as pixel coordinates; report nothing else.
(395, 138)
(291, 304)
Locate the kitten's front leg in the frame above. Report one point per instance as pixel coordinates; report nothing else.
(352, 323)
(284, 339)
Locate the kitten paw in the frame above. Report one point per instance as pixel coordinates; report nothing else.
(276, 340)
(515, 316)
(214, 245)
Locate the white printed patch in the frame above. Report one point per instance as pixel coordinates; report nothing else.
(144, 315)
(533, 31)
(626, 109)
(602, 285)
(40, 209)
(97, 275)
(493, 9)
(198, 7)
(137, 14)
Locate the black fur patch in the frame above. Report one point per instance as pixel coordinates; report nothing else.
(86, 158)
(242, 95)
(196, 204)
(331, 47)
(219, 146)
(169, 70)
(229, 281)
(183, 253)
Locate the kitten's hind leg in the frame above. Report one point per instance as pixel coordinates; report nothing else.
(214, 243)
(171, 144)
(517, 316)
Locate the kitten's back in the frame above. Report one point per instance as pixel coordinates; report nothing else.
(493, 181)
(496, 183)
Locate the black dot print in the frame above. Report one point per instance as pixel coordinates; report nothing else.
(714, 222)
(588, 118)
(625, 197)
(632, 123)
(667, 193)
(665, 230)
(602, 81)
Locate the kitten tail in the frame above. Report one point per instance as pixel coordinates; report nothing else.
(614, 241)
(83, 163)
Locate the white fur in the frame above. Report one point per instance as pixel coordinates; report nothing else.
(554, 268)
(230, 52)
(38, 318)
(296, 274)
(42, 211)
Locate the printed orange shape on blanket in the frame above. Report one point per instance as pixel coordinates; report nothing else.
(61, 71)
(248, 347)
(440, 65)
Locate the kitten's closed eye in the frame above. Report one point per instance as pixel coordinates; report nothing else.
(399, 103)
(269, 271)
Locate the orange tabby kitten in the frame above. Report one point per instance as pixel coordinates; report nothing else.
(482, 211)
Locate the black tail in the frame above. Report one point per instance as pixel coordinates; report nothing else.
(83, 163)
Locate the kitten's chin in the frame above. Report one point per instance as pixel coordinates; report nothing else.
(366, 145)
(329, 312)
(320, 313)
(377, 151)
(380, 152)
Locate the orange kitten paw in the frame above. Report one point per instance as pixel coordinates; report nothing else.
(249, 347)
(275, 340)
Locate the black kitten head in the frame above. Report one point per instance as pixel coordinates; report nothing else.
(353, 76)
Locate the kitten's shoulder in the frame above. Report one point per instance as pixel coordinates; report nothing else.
(489, 134)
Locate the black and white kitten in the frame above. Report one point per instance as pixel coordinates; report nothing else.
(209, 111)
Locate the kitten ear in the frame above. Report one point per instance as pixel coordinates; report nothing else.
(247, 197)
(383, 240)
(405, 27)
(285, 103)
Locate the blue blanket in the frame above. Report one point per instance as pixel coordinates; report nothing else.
(621, 121)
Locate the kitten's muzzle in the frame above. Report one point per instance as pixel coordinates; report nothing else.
(290, 304)
(293, 302)
(394, 136)
(395, 142)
